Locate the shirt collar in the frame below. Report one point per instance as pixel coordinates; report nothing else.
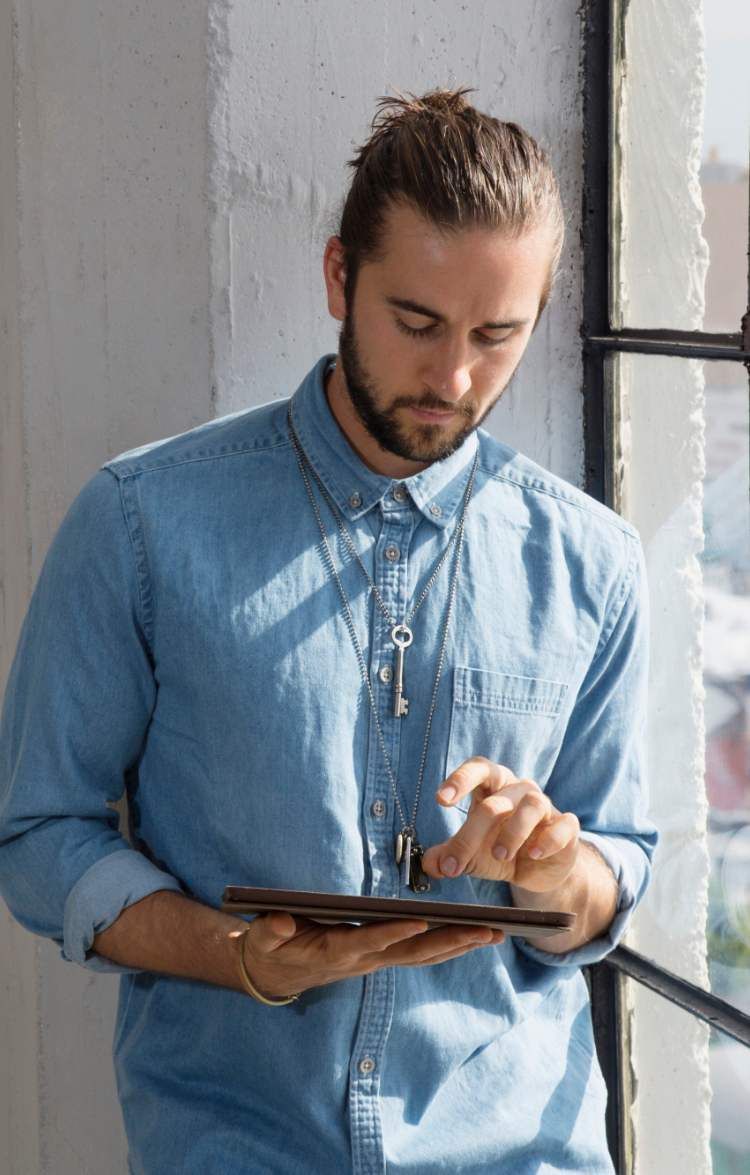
(437, 491)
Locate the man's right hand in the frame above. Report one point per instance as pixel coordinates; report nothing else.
(285, 954)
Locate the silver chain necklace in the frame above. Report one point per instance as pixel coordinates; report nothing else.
(408, 852)
(400, 633)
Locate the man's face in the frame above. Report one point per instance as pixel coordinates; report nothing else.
(440, 323)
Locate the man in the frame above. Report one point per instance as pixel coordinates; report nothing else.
(221, 623)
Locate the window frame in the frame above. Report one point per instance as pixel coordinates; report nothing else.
(602, 46)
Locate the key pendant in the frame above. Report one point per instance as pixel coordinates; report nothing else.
(402, 636)
(418, 879)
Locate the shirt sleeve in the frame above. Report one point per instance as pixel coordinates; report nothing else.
(600, 772)
(77, 706)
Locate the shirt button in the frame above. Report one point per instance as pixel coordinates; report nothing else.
(386, 674)
(366, 1065)
(435, 509)
(355, 500)
(399, 493)
(378, 809)
(392, 553)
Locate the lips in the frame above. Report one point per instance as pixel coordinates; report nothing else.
(436, 417)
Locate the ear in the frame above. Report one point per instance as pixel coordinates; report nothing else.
(334, 272)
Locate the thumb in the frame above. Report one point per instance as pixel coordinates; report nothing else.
(432, 860)
(274, 929)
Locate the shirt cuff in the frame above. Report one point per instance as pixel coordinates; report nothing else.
(98, 898)
(618, 853)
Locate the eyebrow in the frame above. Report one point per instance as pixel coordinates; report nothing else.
(417, 308)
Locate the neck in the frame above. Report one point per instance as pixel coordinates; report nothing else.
(368, 450)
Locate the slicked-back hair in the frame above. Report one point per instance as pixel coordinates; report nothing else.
(455, 166)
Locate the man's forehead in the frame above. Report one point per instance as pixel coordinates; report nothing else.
(404, 226)
(496, 274)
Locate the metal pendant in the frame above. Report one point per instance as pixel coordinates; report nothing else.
(418, 879)
(406, 861)
(402, 636)
(399, 847)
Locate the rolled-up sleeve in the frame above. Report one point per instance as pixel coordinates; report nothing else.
(76, 710)
(601, 770)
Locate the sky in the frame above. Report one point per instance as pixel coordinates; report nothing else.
(727, 109)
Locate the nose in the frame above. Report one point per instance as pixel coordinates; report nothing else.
(448, 372)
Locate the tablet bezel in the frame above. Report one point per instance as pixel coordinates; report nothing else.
(334, 908)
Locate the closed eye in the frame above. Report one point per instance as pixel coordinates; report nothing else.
(425, 332)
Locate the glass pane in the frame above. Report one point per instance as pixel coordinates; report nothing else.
(725, 563)
(687, 490)
(682, 119)
(690, 1112)
(724, 175)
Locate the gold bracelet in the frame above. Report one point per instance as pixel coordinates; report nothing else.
(247, 981)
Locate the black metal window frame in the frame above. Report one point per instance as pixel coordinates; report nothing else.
(602, 42)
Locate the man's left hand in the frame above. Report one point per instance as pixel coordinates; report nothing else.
(506, 813)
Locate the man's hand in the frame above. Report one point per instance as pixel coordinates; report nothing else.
(512, 833)
(286, 954)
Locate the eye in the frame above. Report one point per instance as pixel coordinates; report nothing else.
(410, 330)
(425, 331)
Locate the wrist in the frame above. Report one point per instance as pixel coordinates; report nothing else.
(248, 983)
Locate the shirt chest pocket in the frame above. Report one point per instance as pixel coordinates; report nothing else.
(511, 719)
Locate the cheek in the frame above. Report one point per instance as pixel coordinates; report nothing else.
(493, 375)
(400, 364)
(389, 346)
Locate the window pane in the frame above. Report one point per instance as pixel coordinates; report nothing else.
(725, 563)
(687, 453)
(681, 186)
(690, 1112)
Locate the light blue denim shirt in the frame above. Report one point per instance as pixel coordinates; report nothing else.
(185, 641)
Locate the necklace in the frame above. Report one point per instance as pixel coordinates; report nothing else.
(408, 852)
(401, 634)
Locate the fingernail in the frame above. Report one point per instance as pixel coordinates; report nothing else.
(535, 853)
(499, 852)
(450, 866)
(447, 793)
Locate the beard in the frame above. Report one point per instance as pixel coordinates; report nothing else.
(420, 442)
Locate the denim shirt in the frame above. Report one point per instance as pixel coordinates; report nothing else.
(185, 642)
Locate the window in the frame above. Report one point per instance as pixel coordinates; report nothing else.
(666, 353)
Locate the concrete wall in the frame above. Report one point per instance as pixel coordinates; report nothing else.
(287, 112)
(104, 288)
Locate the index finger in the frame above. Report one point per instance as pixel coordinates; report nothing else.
(469, 775)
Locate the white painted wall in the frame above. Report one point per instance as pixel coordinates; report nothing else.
(104, 290)
(290, 100)
(664, 259)
(168, 177)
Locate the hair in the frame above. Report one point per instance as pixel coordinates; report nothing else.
(457, 167)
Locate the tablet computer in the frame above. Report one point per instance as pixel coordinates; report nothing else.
(335, 907)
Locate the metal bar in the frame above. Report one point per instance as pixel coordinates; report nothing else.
(667, 334)
(596, 72)
(596, 39)
(703, 1004)
(692, 346)
(606, 990)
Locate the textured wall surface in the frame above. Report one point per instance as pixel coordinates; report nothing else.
(663, 269)
(168, 178)
(104, 280)
(290, 104)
